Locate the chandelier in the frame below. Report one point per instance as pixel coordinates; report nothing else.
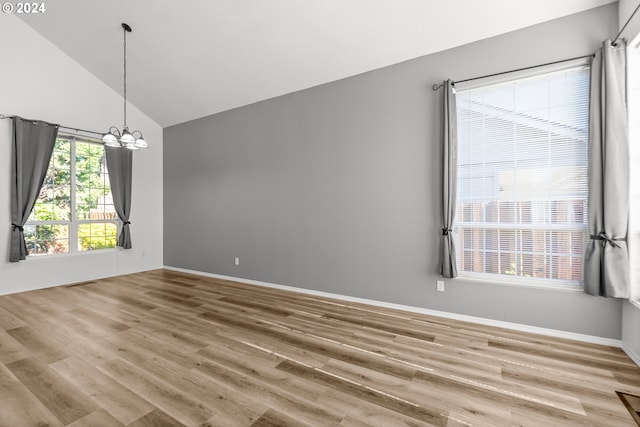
(125, 138)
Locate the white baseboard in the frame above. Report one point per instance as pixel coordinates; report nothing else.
(480, 320)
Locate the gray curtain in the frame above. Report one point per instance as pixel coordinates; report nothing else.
(33, 143)
(449, 179)
(120, 166)
(606, 265)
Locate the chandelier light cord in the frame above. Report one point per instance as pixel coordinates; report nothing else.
(125, 29)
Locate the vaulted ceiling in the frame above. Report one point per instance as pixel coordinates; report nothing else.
(192, 58)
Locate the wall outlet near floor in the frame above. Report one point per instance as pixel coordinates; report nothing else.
(237, 261)
(440, 285)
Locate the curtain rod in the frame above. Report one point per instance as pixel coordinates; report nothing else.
(613, 43)
(438, 86)
(5, 116)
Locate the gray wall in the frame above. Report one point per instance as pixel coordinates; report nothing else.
(336, 188)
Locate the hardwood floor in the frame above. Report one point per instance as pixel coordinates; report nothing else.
(163, 348)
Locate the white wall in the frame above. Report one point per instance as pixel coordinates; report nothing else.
(631, 330)
(631, 311)
(39, 81)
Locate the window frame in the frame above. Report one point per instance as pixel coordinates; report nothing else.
(505, 279)
(73, 223)
(633, 93)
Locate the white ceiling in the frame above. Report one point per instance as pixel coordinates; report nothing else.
(192, 58)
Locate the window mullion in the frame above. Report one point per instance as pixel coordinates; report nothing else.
(73, 227)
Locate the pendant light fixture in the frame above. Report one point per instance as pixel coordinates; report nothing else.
(125, 139)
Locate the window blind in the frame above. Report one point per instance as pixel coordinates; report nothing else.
(522, 177)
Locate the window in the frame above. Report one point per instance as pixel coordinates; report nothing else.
(74, 211)
(522, 178)
(633, 54)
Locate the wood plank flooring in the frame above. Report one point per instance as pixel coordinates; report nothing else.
(164, 348)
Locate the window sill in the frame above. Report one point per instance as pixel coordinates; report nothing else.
(503, 281)
(37, 258)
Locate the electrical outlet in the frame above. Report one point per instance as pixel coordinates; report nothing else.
(440, 285)
(237, 261)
